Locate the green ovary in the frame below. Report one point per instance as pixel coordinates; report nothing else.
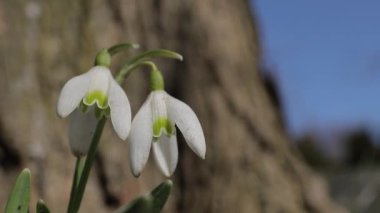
(96, 96)
(162, 124)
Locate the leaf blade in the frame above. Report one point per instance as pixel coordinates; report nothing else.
(160, 195)
(41, 207)
(143, 204)
(19, 197)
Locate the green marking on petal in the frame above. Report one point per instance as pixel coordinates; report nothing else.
(162, 125)
(97, 97)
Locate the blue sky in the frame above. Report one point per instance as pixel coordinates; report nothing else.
(326, 57)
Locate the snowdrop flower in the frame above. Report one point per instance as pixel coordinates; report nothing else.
(154, 125)
(87, 96)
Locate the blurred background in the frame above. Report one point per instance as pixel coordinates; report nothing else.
(322, 59)
(285, 92)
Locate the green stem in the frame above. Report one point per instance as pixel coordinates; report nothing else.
(141, 59)
(150, 64)
(127, 70)
(78, 172)
(81, 186)
(156, 53)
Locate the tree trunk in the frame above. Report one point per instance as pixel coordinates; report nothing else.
(250, 165)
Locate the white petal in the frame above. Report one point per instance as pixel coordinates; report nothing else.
(188, 123)
(159, 108)
(99, 79)
(72, 94)
(140, 138)
(99, 84)
(81, 129)
(165, 152)
(120, 109)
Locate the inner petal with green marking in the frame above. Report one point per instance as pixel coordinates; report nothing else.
(98, 97)
(164, 125)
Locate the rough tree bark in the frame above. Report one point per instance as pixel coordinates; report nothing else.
(250, 165)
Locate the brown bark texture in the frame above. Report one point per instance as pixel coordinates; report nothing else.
(250, 165)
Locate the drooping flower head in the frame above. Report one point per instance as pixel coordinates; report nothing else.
(154, 125)
(86, 97)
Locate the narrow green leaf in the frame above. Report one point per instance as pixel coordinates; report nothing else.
(18, 200)
(161, 194)
(41, 207)
(120, 47)
(142, 204)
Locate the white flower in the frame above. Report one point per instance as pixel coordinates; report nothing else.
(81, 129)
(97, 86)
(154, 124)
